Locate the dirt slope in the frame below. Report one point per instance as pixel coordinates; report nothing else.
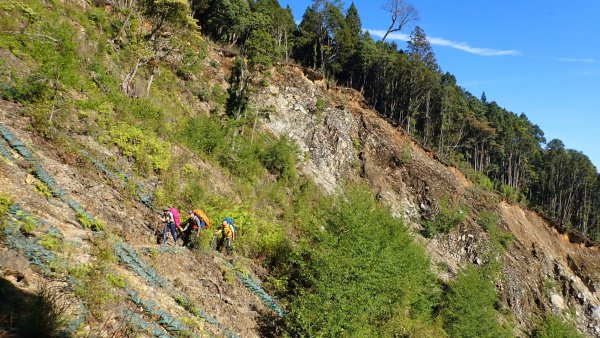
(346, 140)
(166, 290)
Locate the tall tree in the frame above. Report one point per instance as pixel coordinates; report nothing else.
(420, 49)
(402, 14)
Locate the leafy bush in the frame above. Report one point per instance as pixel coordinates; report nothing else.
(367, 272)
(93, 224)
(480, 179)
(509, 193)
(149, 151)
(204, 134)
(280, 158)
(47, 315)
(43, 188)
(243, 161)
(27, 223)
(554, 327)
(5, 202)
(469, 308)
(489, 222)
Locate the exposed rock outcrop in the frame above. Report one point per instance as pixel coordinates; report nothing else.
(343, 139)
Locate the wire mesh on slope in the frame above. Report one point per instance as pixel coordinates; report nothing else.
(39, 171)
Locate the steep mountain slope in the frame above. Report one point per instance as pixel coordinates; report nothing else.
(102, 137)
(543, 270)
(163, 290)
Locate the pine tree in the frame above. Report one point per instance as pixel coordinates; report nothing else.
(419, 48)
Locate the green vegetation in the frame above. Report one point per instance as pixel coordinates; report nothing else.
(448, 218)
(95, 285)
(489, 222)
(5, 202)
(470, 307)
(92, 223)
(132, 78)
(150, 152)
(365, 272)
(554, 327)
(51, 241)
(27, 223)
(43, 189)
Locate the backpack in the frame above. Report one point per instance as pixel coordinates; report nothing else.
(200, 213)
(175, 213)
(233, 227)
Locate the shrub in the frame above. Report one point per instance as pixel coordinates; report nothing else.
(489, 222)
(93, 285)
(149, 151)
(243, 161)
(280, 158)
(47, 315)
(554, 327)
(5, 203)
(204, 134)
(91, 223)
(43, 188)
(27, 223)
(509, 193)
(366, 272)
(469, 308)
(51, 241)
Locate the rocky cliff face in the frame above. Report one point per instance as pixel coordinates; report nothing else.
(343, 139)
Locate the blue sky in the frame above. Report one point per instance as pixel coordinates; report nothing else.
(541, 58)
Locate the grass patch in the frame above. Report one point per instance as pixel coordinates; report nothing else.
(52, 241)
(91, 223)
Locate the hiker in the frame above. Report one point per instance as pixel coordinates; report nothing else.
(192, 228)
(171, 219)
(227, 235)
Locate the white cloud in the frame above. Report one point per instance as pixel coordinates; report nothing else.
(448, 43)
(577, 60)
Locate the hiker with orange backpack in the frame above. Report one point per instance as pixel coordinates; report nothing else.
(197, 221)
(172, 221)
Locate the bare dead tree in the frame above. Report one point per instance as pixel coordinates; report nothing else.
(402, 12)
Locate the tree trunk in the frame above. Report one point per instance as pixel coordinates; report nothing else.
(125, 86)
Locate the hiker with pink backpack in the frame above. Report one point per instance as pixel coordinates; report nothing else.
(172, 221)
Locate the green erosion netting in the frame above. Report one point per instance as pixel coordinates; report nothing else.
(144, 194)
(254, 287)
(39, 256)
(4, 150)
(164, 249)
(163, 318)
(130, 258)
(137, 321)
(40, 172)
(28, 246)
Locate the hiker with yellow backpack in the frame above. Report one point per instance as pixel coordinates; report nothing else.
(226, 236)
(197, 221)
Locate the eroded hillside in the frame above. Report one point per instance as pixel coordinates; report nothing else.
(543, 270)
